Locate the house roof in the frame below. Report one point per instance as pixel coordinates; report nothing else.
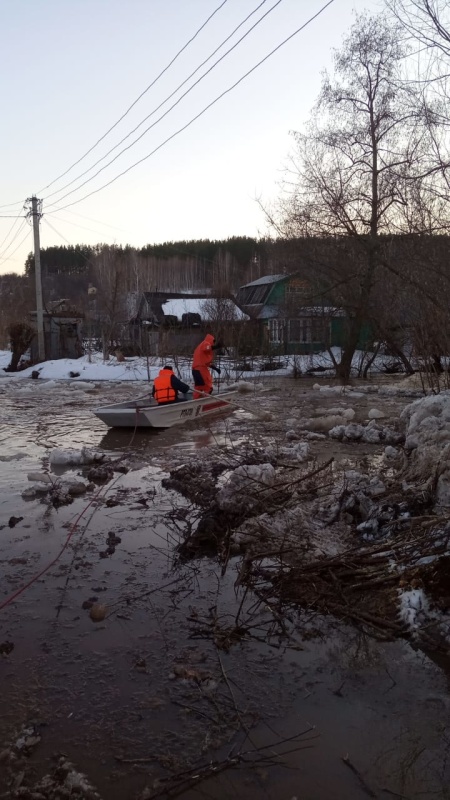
(265, 279)
(159, 294)
(272, 312)
(267, 312)
(175, 304)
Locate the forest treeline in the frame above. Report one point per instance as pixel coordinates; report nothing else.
(197, 263)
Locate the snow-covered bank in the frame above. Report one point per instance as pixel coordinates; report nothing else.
(428, 443)
(94, 368)
(86, 368)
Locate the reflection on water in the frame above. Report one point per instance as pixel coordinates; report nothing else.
(120, 439)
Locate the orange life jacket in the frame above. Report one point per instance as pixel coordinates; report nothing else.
(163, 388)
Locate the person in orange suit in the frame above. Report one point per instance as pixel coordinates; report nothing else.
(202, 363)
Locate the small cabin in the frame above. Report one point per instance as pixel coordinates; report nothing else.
(289, 323)
(174, 322)
(62, 332)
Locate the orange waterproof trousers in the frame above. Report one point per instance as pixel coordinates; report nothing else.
(204, 388)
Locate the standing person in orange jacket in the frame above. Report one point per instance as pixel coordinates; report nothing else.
(201, 365)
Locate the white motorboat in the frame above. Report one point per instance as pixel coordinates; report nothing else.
(144, 412)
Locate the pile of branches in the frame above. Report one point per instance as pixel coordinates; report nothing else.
(359, 586)
(210, 526)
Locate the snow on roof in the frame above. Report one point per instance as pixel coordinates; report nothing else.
(317, 311)
(178, 306)
(265, 279)
(182, 305)
(271, 311)
(195, 292)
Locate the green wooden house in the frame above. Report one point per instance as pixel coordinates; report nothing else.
(288, 322)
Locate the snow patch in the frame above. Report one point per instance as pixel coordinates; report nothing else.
(40, 477)
(13, 457)
(240, 491)
(414, 606)
(428, 440)
(370, 433)
(68, 458)
(391, 452)
(375, 413)
(83, 386)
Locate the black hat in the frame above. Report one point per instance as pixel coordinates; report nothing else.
(167, 366)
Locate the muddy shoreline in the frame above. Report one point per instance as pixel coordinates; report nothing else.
(189, 666)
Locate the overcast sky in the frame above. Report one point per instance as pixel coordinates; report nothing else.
(71, 68)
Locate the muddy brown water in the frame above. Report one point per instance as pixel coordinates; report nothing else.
(144, 690)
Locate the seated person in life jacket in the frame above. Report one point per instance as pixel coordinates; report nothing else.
(202, 364)
(166, 387)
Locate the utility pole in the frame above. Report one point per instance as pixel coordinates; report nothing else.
(36, 213)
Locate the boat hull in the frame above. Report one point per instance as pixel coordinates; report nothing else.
(144, 413)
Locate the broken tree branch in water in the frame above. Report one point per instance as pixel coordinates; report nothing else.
(176, 785)
(356, 772)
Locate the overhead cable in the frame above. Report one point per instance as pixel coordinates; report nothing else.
(82, 227)
(193, 119)
(57, 232)
(137, 99)
(17, 203)
(17, 233)
(83, 256)
(98, 222)
(111, 150)
(10, 255)
(10, 231)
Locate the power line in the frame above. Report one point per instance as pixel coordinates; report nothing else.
(17, 203)
(137, 99)
(7, 258)
(111, 150)
(98, 222)
(11, 216)
(57, 232)
(17, 233)
(193, 119)
(82, 227)
(10, 231)
(86, 259)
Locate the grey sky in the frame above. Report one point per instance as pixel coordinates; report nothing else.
(72, 67)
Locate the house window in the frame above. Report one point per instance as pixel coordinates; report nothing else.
(307, 330)
(297, 288)
(320, 330)
(276, 331)
(261, 294)
(297, 330)
(254, 295)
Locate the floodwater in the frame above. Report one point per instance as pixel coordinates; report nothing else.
(147, 692)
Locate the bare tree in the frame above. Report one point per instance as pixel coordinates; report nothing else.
(110, 281)
(349, 175)
(427, 21)
(20, 335)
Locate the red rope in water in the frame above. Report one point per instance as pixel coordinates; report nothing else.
(72, 530)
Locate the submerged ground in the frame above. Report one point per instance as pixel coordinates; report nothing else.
(188, 683)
